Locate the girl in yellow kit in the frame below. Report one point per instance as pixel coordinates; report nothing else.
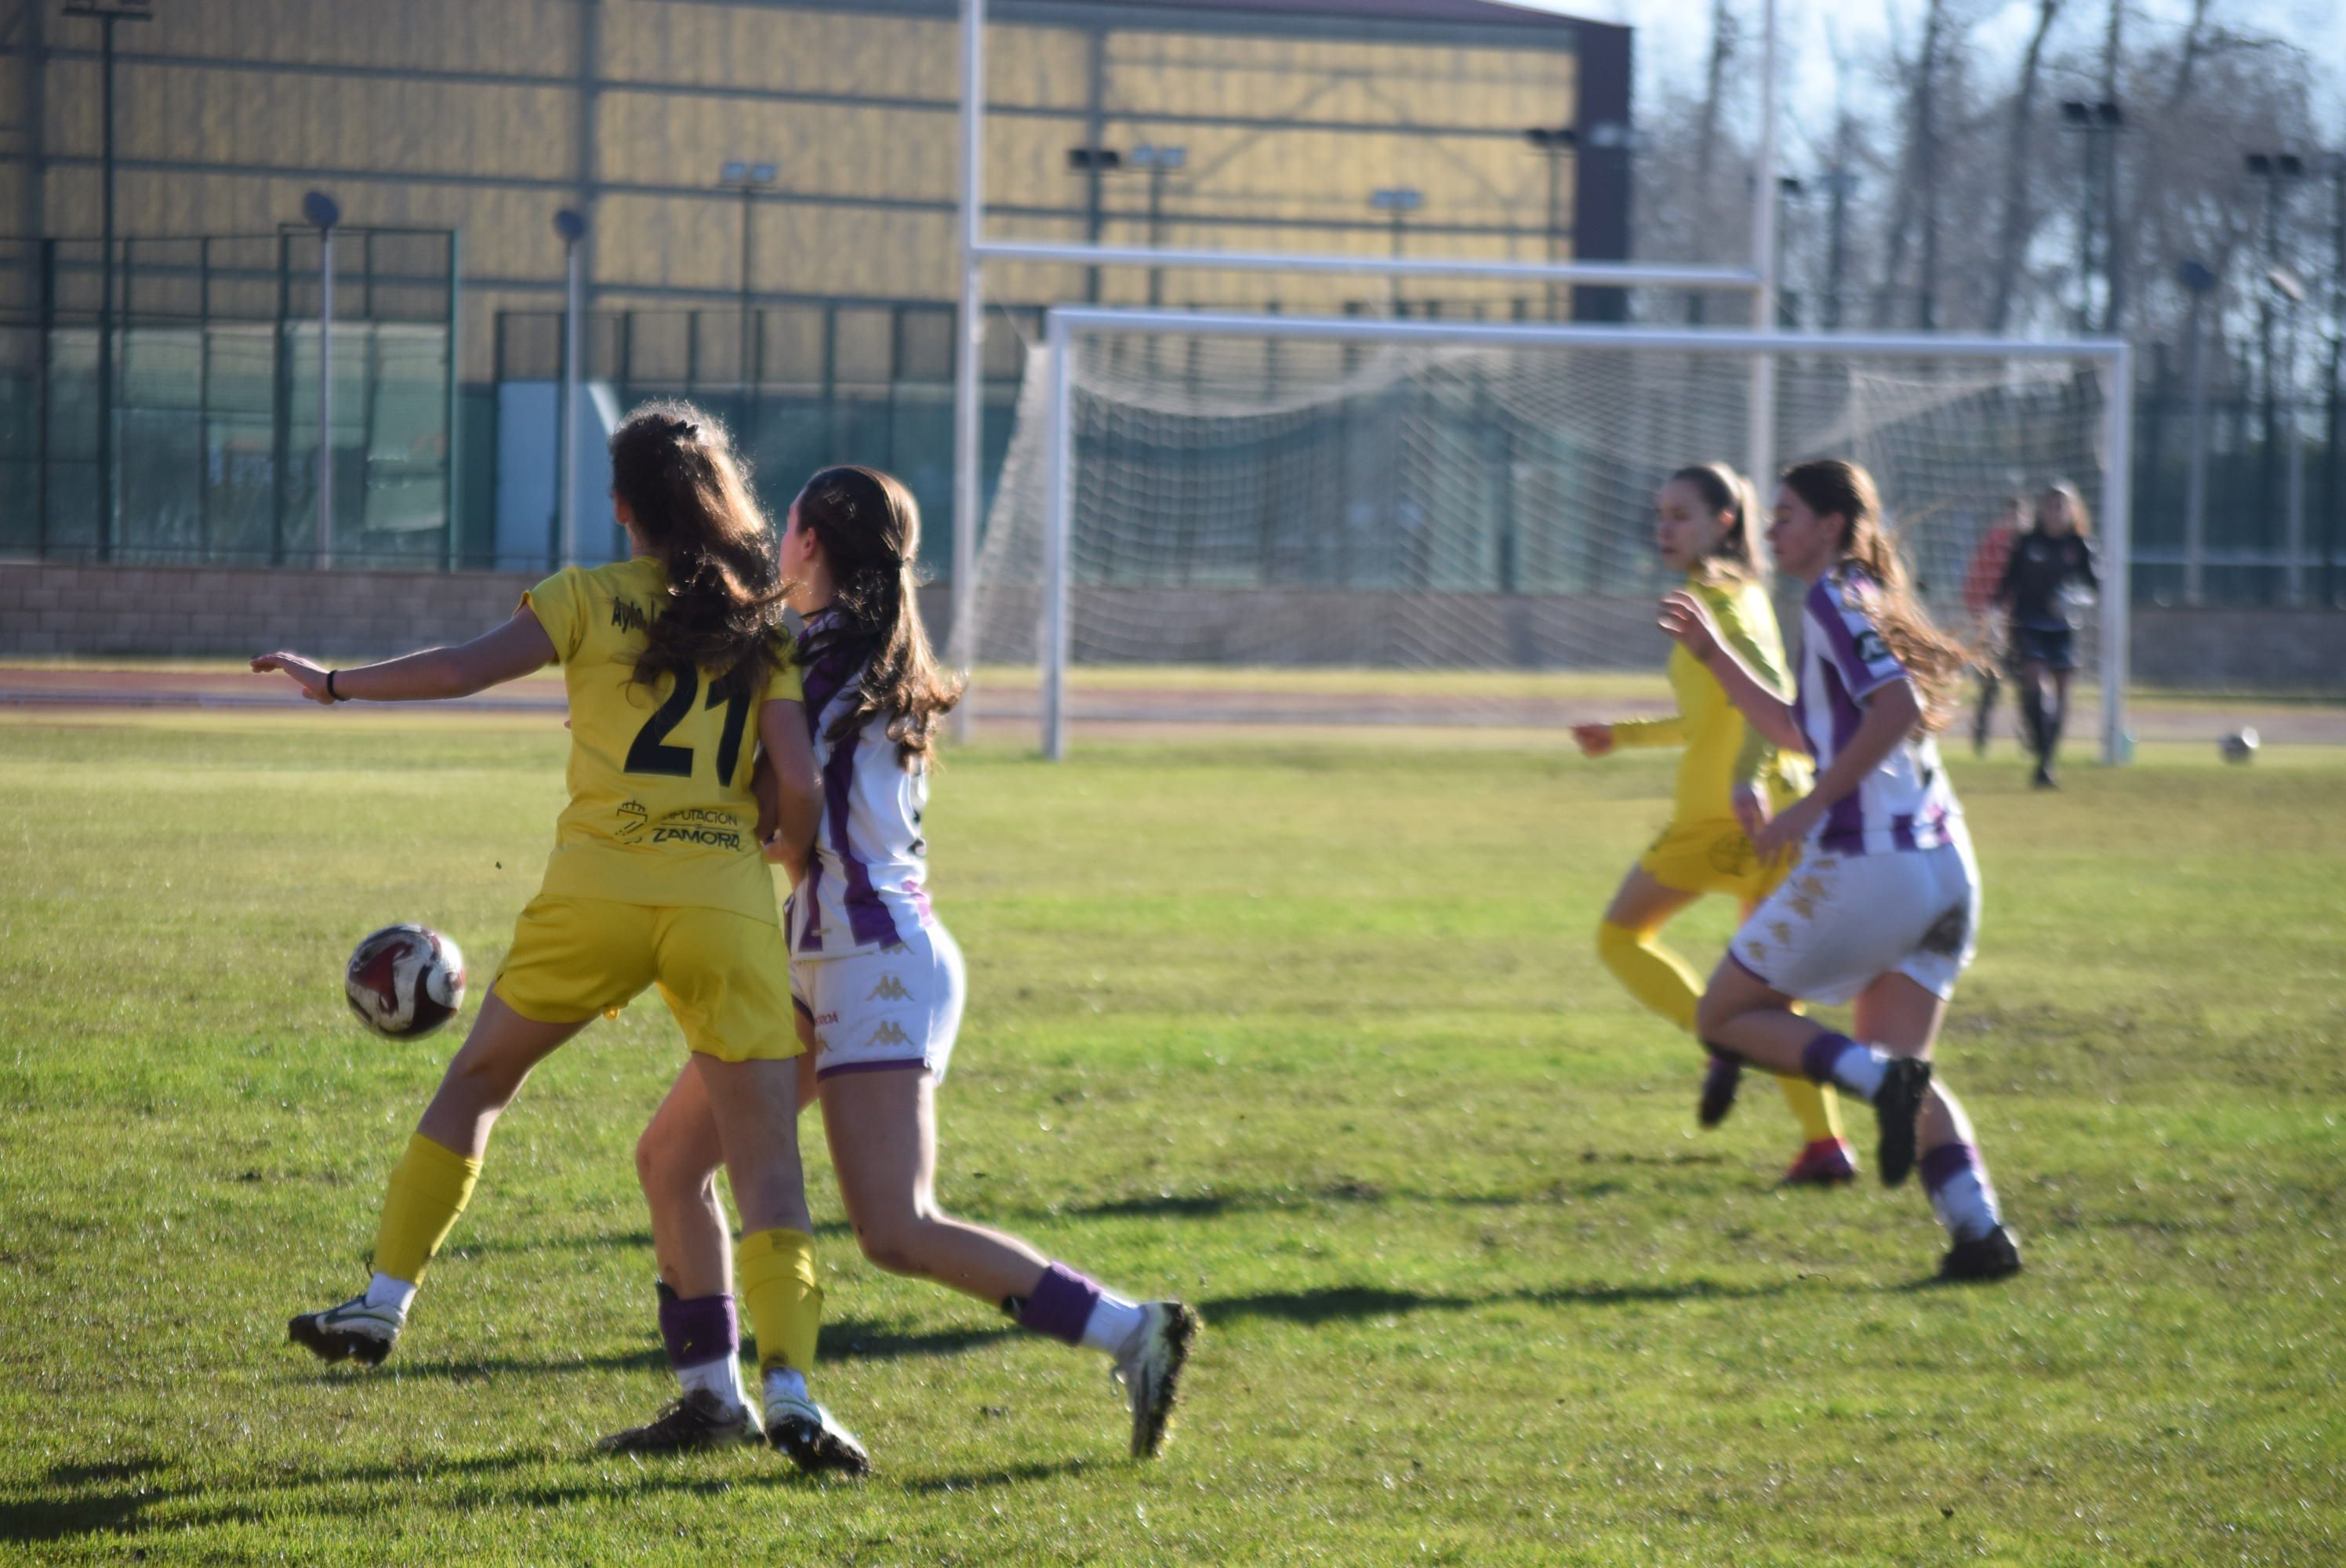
(677, 668)
(1729, 781)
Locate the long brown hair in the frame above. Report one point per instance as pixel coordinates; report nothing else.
(1935, 662)
(869, 526)
(1736, 558)
(676, 468)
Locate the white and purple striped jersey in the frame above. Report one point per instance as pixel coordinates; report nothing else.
(865, 887)
(1906, 802)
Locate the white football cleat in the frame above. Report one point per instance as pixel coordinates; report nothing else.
(352, 1330)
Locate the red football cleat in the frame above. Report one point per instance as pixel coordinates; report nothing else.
(1828, 1162)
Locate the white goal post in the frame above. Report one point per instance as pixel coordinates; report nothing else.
(1978, 369)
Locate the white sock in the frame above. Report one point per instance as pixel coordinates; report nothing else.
(1965, 1204)
(721, 1377)
(1860, 1071)
(786, 1383)
(1113, 1321)
(383, 1291)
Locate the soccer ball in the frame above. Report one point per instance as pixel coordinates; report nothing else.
(405, 980)
(2240, 745)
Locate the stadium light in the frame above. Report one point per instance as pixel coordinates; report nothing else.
(2100, 121)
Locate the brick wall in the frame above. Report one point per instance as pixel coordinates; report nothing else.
(196, 611)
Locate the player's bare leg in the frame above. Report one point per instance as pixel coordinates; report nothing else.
(754, 1105)
(1896, 1010)
(1742, 1013)
(433, 1182)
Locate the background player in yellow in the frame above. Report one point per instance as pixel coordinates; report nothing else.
(677, 667)
(1730, 780)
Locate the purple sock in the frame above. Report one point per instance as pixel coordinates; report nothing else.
(1060, 1305)
(700, 1330)
(1817, 1058)
(1960, 1193)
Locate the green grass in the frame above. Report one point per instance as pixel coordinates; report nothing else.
(1311, 1035)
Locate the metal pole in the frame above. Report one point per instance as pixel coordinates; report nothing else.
(1156, 231)
(2117, 546)
(2293, 491)
(325, 396)
(2195, 495)
(2268, 480)
(46, 350)
(751, 356)
(1058, 500)
(1760, 438)
(105, 520)
(451, 425)
(969, 350)
(572, 338)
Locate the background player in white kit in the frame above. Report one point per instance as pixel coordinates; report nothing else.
(1884, 909)
(879, 980)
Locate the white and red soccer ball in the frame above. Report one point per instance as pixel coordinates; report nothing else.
(405, 980)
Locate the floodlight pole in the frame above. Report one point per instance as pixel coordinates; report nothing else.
(969, 350)
(106, 16)
(572, 227)
(1760, 437)
(320, 210)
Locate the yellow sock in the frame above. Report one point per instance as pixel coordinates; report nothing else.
(429, 1188)
(1655, 975)
(773, 1272)
(1815, 1104)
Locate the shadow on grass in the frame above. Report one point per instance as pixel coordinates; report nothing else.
(1338, 1302)
(1008, 1475)
(844, 1338)
(1212, 1203)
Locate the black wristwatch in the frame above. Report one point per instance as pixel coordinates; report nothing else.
(332, 694)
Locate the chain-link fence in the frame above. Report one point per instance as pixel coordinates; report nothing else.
(161, 404)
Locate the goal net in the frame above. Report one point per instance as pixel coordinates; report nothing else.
(1255, 493)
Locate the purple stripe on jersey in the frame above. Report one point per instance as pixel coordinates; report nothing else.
(1845, 822)
(1901, 831)
(824, 680)
(1840, 644)
(867, 916)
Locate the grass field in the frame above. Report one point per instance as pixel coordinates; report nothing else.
(1310, 1035)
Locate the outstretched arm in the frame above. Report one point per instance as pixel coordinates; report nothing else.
(1688, 618)
(511, 651)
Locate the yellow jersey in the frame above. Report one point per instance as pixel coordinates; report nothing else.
(660, 809)
(1722, 749)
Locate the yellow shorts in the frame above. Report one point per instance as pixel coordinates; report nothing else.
(1711, 857)
(725, 976)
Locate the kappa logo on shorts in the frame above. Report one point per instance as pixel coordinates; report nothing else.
(1806, 908)
(890, 988)
(1780, 930)
(1732, 855)
(887, 1036)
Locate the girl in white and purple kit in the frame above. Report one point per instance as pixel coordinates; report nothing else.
(878, 986)
(1884, 909)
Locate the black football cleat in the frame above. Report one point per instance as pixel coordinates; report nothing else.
(1720, 1081)
(1995, 1255)
(816, 1442)
(351, 1331)
(699, 1420)
(1905, 1084)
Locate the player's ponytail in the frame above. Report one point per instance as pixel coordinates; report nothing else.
(675, 468)
(1831, 486)
(869, 526)
(1736, 558)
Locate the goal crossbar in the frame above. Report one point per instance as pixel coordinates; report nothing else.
(1066, 323)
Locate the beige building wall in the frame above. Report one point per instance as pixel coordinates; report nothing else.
(488, 116)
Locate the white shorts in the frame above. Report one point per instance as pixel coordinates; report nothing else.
(892, 1007)
(1841, 921)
